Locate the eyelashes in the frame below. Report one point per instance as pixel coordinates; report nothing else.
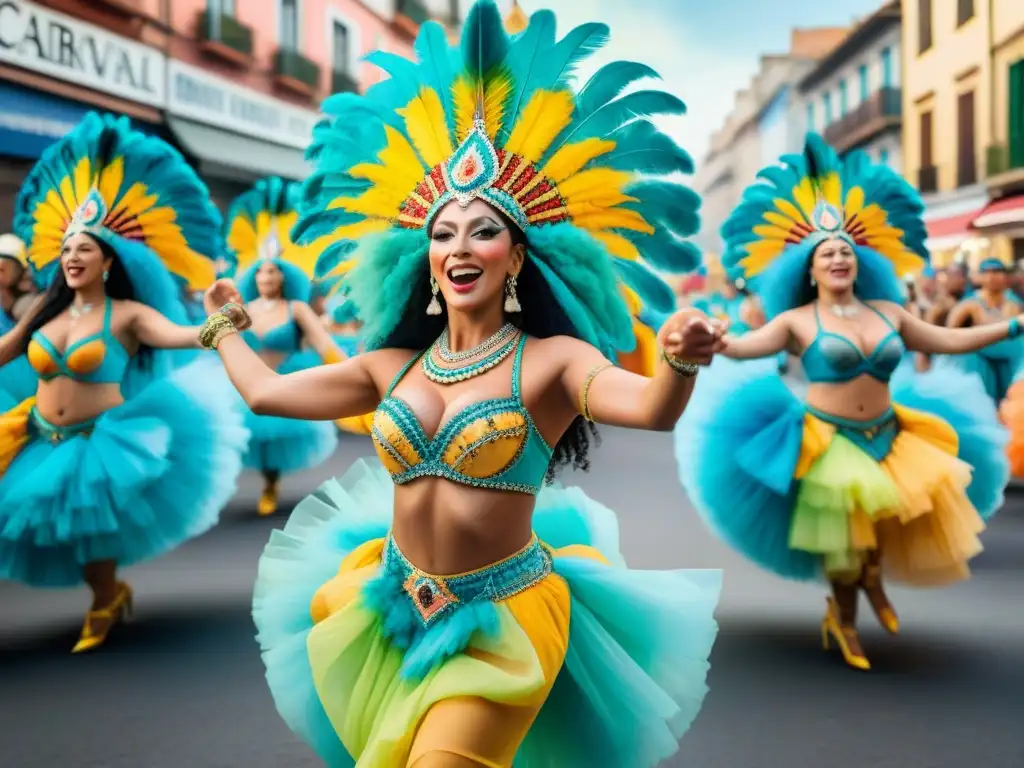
(487, 233)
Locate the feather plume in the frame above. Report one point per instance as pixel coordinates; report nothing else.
(608, 82)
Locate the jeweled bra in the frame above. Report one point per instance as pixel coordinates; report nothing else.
(490, 444)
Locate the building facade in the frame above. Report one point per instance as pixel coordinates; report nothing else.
(852, 96)
(235, 84)
(762, 126)
(963, 141)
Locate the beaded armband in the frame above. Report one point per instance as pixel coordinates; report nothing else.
(216, 327)
(681, 367)
(585, 389)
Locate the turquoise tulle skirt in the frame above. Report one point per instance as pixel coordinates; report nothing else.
(129, 486)
(996, 366)
(740, 440)
(635, 661)
(288, 445)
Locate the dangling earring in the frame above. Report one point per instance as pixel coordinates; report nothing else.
(106, 275)
(511, 300)
(813, 282)
(434, 307)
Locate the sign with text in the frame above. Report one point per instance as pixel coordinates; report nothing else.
(198, 95)
(65, 48)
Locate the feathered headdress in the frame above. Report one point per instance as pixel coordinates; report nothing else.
(813, 197)
(258, 228)
(495, 119)
(118, 184)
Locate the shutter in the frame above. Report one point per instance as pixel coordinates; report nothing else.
(924, 25)
(966, 162)
(926, 139)
(1016, 131)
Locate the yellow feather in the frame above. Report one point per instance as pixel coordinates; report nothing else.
(595, 219)
(600, 186)
(464, 105)
(571, 158)
(831, 189)
(400, 169)
(785, 222)
(618, 245)
(361, 229)
(760, 255)
(111, 179)
(854, 201)
(770, 230)
(791, 211)
(425, 124)
(67, 192)
(83, 179)
(378, 202)
(135, 201)
(155, 218)
(872, 216)
(545, 116)
(805, 197)
(497, 89)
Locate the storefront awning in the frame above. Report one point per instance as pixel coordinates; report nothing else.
(950, 231)
(1005, 213)
(232, 156)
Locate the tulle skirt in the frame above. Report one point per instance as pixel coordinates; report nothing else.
(996, 366)
(360, 646)
(802, 493)
(1012, 412)
(18, 380)
(288, 445)
(128, 486)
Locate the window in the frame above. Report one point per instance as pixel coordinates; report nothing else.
(887, 67)
(290, 25)
(221, 7)
(966, 165)
(1016, 127)
(828, 109)
(927, 176)
(843, 101)
(964, 11)
(340, 47)
(810, 117)
(883, 156)
(924, 25)
(862, 76)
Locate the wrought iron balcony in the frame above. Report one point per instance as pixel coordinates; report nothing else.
(225, 36)
(1004, 167)
(882, 110)
(295, 71)
(414, 10)
(343, 82)
(928, 179)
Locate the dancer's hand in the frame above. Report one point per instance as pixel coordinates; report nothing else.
(223, 291)
(691, 335)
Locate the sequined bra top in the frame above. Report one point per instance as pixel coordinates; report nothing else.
(285, 338)
(833, 359)
(491, 444)
(96, 359)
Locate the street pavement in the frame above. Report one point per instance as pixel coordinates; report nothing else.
(182, 686)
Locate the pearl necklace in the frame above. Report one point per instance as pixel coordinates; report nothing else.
(499, 337)
(840, 310)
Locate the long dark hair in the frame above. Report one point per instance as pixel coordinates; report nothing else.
(59, 296)
(542, 317)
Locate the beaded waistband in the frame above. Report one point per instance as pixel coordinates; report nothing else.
(57, 434)
(868, 425)
(434, 596)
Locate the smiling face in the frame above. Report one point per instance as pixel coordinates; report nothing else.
(471, 256)
(83, 261)
(269, 280)
(834, 266)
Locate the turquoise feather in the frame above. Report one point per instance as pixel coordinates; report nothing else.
(641, 147)
(609, 82)
(667, 205)
(615, 114)
(438, 65)
(525, 63)
(665, 252)
(485, 43)
(651, 289)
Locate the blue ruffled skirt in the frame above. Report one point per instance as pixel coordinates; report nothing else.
(131, 485)
(631, 672)
(996, 366)
(767, 475)
(288, 445)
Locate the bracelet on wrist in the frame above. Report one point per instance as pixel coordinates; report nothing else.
(216, 327)
(685, 368)
(237, 314)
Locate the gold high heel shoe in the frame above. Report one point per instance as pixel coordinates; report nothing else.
(831, 628)
(119, 609)
(871, 583)
(268, 501)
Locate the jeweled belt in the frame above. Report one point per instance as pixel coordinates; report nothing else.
(54, 433)
(434, 596)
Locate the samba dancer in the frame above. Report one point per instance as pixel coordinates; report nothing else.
(496, 212)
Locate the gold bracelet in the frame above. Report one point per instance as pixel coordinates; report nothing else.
(220, 335)
(685, 368)
(237, 314)
(214, 329)
(585, 389)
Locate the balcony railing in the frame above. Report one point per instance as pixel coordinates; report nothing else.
(343, 82)
(217, 30)
(414, 10)
(881, 110)
(928, 179)
(293, 69)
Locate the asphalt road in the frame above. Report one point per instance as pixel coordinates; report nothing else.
(183, 685)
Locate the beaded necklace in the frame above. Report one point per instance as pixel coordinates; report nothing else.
(461, 372)
(444, 349)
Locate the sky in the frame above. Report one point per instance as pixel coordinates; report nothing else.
(705, 50)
